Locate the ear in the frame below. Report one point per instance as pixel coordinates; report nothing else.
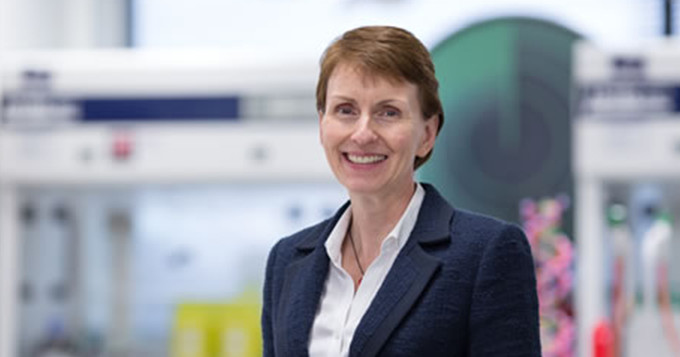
(429, 135)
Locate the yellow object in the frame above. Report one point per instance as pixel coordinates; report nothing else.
(217, 330)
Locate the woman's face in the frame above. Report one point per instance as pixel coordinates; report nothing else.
(372, 129)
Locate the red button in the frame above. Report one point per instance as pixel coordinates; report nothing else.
(122, 146)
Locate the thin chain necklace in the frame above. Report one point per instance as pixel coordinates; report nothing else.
(354, 249)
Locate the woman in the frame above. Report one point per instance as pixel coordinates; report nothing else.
(396, 271)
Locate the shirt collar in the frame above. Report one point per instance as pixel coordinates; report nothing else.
(399, 234)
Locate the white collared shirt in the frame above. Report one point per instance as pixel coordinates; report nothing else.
(340, 308)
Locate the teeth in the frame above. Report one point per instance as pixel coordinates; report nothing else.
(365, 159)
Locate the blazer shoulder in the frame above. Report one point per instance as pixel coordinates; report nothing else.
(479, 233)
(479, 225)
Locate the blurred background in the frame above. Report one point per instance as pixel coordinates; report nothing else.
(151, 153)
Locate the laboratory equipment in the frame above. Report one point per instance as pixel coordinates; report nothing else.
(134, 183)
(626, 151)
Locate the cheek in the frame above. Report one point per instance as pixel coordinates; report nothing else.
(323, 128)
(328, 134)
(408, 142)
(331, 129)
(419, 138)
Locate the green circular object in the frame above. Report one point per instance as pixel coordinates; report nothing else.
(504, 85)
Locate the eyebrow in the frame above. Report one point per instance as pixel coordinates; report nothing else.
(343, 98)
(382, 102)
(391, 101)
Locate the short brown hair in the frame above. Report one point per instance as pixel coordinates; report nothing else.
(390, 52)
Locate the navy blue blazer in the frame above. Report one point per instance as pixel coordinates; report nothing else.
(463, 285)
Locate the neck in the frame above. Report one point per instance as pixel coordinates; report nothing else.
(373, 217)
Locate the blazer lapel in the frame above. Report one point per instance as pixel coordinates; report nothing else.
(408, 277)
(302, 288)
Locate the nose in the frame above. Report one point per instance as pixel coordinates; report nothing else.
(364, 132)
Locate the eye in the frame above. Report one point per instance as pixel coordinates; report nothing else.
(389, 112)
(345, 110)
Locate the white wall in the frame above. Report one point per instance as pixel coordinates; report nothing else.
(307, 26)
(28, 24)
(295, 26)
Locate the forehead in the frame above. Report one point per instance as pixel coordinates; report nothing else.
(345, 74)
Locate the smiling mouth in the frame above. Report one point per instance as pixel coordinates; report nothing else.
(365, 159)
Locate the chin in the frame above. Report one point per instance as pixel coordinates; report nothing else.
(355, 186)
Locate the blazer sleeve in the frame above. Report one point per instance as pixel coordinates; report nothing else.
(268, 305)
(504, 309)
